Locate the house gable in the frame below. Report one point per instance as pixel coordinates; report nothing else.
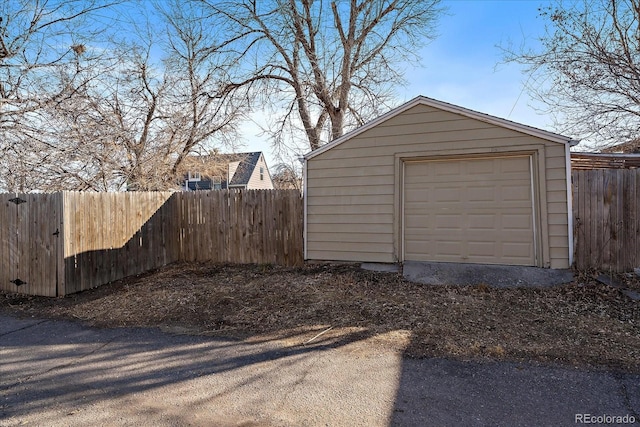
(233, 167)
(434, 106)
(242, 171)
(260, 177)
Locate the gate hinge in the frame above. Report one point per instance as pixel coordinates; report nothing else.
(18, 282)
(17, 200)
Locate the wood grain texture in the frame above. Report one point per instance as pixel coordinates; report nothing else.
(606, 219)
(61, 243)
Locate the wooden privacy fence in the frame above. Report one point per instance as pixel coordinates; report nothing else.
(606, 207)
(59, 243)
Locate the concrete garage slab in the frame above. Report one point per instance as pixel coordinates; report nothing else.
(380, 267)
(500, 276)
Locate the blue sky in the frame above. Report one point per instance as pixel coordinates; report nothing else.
(461, 65)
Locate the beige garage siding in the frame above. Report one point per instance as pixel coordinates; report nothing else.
(475, 210)
(351, 189)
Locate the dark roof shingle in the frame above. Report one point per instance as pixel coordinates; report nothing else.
(248, 162)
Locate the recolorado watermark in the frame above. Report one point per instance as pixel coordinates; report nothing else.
(604, 419)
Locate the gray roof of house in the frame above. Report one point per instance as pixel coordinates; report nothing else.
(242, 175)
(246, 167)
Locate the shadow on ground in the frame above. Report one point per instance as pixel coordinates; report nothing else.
(294, 371)
(62, 373)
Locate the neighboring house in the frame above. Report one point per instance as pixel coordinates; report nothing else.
(604, 160)
(620, 156)
(244, 171)
(432, 181)
(629, 147)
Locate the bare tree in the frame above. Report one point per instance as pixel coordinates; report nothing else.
(287, 176)
(37, 39)
(587, 70)
(113, 126)
(129, 118)
(329, 65)
(205, 109)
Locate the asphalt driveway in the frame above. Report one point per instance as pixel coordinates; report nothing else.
(58, 373)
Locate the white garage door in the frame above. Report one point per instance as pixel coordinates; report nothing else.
(473, 210)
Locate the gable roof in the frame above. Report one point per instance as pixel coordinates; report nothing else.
(245, 169)
(445, 106)
(217, 165)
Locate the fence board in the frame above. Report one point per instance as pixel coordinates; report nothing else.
(22, 245)
(619, 241)
(5, 242)
(607, 219)
(585, 218)
(628, 221)
(607, 245)
(635, 218)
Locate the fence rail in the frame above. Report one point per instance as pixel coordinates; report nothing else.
(606, 207)
(60, 243)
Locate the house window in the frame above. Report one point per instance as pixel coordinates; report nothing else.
(217, 183)
(261, 174)
(194, 176)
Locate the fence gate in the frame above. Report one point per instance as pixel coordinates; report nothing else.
(31, 243)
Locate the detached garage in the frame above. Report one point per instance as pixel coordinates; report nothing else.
(431, 181)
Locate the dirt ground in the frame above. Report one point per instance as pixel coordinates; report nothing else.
(585, 323)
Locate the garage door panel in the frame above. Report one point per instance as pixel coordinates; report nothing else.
(482, 213)
(420, 196)
(447, 194)
(484, 193)
(425, 251)
(516, 222)
(516, 250)
(515, 193)
(417, 182)
(506, 168)
(446, 169)
(449, 222)
(482, 222)
(448, 247)
(481, 249)
(417, 221)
